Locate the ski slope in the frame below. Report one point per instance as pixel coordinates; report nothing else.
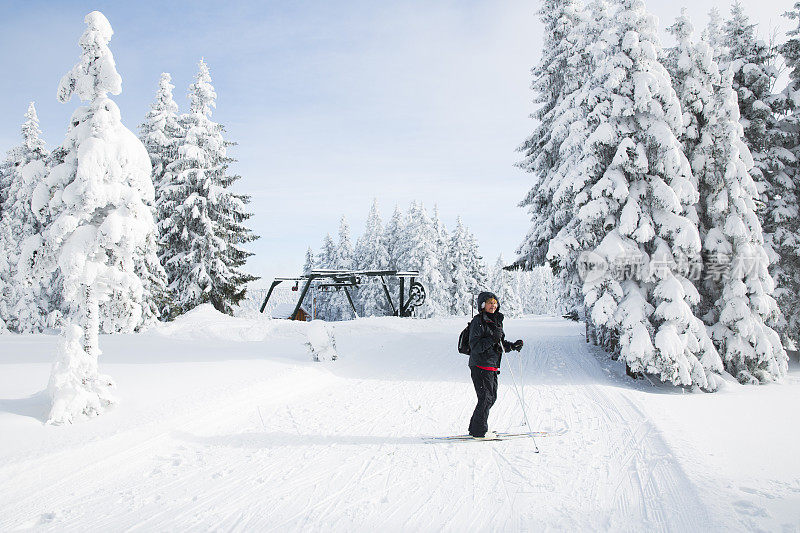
(226, 424)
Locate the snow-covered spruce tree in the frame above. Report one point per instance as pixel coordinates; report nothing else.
(6, 169)
(4, 265)
(476, 264)
(392, 235)
(555, 77)
(577, 166)
(463, 286)
(707, 141)
(694, 74)
(327, 258)
(126, 312)
(503, 284)
(572, 130)
(159, 133)
(371, 254)
(470, 265)
(442, 245)
(97, 203)
(36, 256)
(782, 223)
(696, 79)
(635, 201)
(752, 62)
(204, 229)
(6, 238)
(345, 255)
(310, 263)
(713, 34)
(23, 304)
(539, 291)
(308, 266)
(344, 261)
(732, 237)
(418, 252)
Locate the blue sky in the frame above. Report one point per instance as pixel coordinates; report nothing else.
(332, 103)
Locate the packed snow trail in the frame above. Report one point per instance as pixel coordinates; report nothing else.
(276, 442)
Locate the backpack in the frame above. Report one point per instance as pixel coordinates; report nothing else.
(463, 341)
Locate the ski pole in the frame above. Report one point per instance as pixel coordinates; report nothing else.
(524, 411)
(521, 370)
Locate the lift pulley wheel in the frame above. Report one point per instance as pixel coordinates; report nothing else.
(416, 295)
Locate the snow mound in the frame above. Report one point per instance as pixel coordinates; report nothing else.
(205, 322)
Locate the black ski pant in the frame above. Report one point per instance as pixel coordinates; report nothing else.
(485, 382)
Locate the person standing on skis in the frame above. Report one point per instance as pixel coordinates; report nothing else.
(486, 343)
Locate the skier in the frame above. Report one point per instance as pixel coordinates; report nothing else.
(487, 343)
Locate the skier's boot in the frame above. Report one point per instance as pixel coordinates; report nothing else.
(489, 435)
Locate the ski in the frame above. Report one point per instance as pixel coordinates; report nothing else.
(500, 436)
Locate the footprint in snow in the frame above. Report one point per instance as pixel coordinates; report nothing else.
(750, 490)
(750, 509)
(48, 518)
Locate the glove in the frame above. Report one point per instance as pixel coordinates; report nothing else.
(517, 345)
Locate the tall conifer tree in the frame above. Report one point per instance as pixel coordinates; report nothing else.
(96, 201)
(738, 282)
(556, 76)
(418, 252)
(636, 205)
(572, 126)
(781, 218)
(327, 259)
(23, 302)
(205, 229)
(371, 254)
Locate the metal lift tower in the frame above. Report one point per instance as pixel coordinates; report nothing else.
(328, 280)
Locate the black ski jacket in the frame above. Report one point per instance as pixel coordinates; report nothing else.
(484, 330)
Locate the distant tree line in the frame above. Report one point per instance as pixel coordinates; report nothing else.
(452, 270)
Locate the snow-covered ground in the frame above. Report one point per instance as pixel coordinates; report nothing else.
(226, 423)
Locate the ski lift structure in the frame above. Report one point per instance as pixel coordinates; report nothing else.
(411, 293)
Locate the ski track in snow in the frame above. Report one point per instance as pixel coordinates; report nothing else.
(344, 452)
